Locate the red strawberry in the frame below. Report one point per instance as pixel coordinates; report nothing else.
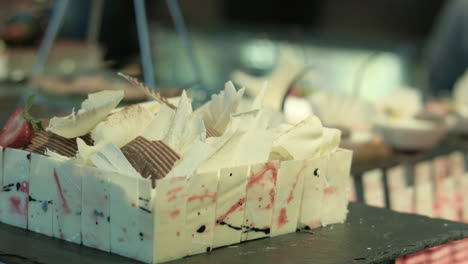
(20, 127)
(17, 132)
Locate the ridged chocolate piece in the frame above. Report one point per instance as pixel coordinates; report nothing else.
(43, 140)
(152, 159)
(211, 132)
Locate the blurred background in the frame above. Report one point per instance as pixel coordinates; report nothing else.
(372, 46)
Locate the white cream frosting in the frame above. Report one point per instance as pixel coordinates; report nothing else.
(93, 110)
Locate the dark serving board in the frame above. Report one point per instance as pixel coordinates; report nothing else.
(370, 235)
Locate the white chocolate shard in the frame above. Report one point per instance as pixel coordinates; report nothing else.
(250, 143)
(184, 128)
(111, 158)
(93, 110)
(158, 127)
(123, 126)
(217, 112)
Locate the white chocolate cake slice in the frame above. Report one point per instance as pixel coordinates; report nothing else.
(201, 209)
(230, 206)
(259, 201)
(14, 195)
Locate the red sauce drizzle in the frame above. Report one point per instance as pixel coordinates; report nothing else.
(15, 203)
(64, 201)
(175, 213)
(256, 178)
(231, 210)
(283, 217)
(202, 197)
(24, 187)
(291, 193)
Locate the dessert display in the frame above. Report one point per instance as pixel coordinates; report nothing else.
(157, 181)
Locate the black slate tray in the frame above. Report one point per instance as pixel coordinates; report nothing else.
(370, 235)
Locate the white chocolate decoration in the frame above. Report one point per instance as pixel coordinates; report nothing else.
(124, 231)
(123, 126)
(66, 222)
(93, 110)
(169, 219)
(217, 112)
(288, 196)
(312, 196)
(201, 208)
(259, 200)
(95, 216)
(230, 206)
(14, 194)
(335, 200)
(42, 191)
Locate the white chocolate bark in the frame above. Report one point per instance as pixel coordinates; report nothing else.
(95, 216)
(335, 200)
(67, 211)
(259, 201)
(230, 206)
(145, 216)
(201, 209)
(169, 221)
(288, 197)
(424, 189)
(312, 196)
(41, 192)
(448, 208)
(15, 188)
(397, 177)
(124, 232)
(401, 200)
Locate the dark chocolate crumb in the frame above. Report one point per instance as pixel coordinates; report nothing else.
(198, 213)
(97, 223)
(316, 173)
(230, 174)
(28, 156)
(208, 249)
(18, 186)
(108, 219)
(307, 228)
(201, 229)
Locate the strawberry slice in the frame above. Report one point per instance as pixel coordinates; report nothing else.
(19, 129)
